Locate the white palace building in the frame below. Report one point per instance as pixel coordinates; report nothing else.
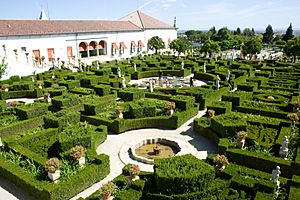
(37, 45)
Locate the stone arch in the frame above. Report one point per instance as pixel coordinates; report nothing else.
(102, 47)
(93, 48)
(83, 49)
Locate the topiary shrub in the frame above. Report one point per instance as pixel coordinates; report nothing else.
(182, 174)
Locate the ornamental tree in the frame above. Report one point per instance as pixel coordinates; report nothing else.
(180, 45)
(292, 48)
(156, 43)
(252, 46)
(209, 47)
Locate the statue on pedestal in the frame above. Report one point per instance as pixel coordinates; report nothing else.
(284, 150)
(119, 72)
(134, 66)
(204, 68)
(150, 85)
(123, 82)
(275, 175)
(182, 65)
(227, 75)
(218, 82)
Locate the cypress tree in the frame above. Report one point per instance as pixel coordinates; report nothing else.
(288, 34)
(268, 35)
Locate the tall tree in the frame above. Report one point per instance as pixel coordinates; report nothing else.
(288, 34)
(238, 31)
(180, 45)
(252, 46)
(213, 30)
(3, 67)
(156, 43)
(222, 34)
(210, 47)
(247, 32)
(292, 48)
(268, 35)
(253, 32)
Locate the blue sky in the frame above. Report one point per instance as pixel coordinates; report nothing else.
(191, 14)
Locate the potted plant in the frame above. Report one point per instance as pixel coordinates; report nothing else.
(107, 189)
(293, 117)
(134, 171)
(47, 97)
(241, 136)
(119, 112)
(221, 162)
(52, 167)
(77, 154)
(170, 108)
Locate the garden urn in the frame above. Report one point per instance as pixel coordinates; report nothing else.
(54, 175)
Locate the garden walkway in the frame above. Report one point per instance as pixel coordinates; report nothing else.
(115, 146)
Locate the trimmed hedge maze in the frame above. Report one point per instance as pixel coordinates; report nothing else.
(86, 105)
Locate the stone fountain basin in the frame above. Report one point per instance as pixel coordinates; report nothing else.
(163, 141)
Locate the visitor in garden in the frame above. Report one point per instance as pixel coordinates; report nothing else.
(160, 74)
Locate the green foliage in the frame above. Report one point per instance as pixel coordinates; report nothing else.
(210, 47)
(292, 47)
(288, 34)
(180, 45)
(182, 174)
(156, 43)
(252, 46)
(268, 35)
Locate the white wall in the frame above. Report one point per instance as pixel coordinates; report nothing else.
(20, 65)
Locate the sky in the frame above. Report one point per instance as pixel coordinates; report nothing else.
(190, 14)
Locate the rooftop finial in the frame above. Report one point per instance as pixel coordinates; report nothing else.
(174, 25)
(43, 15)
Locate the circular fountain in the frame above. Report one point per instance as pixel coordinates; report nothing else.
(147, 150)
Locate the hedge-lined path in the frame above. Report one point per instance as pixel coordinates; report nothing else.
(114, 146)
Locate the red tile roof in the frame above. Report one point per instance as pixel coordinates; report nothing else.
(42, 27)
(145, 21)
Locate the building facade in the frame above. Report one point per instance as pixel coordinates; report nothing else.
(39, 44)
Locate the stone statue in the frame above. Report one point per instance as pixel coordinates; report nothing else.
(134, 66)
(284, 150)
(150, 85)
(227, 75)
(123, 82)
(182, 65)
(191, 82)
(275, 174)
(1, 144)
(218, 82)
(119, 72)
(32, 78)
(204, 68)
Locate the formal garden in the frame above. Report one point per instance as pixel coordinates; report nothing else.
(48, 148)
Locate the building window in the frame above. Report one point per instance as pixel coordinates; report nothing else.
(50, 54)
(83, 50)
(92, 49)
(114, 49)
(140, 46)
(122, 48)
(102, 48)
(132, 47)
